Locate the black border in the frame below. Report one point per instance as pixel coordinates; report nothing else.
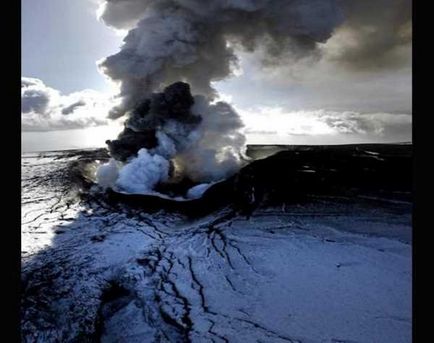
(11, 143)
(11, 162)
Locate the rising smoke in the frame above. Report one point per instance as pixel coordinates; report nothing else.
(195, 42)
(173, 136)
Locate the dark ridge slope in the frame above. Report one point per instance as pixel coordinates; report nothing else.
(293, 175)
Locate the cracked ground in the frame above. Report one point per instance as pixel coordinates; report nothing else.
(329, 270)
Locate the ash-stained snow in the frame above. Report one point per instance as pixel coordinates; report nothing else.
(331, 270)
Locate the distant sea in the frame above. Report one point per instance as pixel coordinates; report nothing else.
(95, 138)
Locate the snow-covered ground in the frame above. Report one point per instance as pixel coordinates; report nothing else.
(332, 270)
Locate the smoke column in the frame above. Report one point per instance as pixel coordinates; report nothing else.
(188, 44)
(194, 40)
(174, 136)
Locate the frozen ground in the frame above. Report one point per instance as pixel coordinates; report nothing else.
(330, 270)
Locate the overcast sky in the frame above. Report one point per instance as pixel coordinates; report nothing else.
(311, 101)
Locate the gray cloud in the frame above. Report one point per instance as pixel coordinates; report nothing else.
(320, 86)
(194, 41)
(199, 41)
(35, 97)
(35, 101)
(69, 109)
(376, 34)
(44, 108)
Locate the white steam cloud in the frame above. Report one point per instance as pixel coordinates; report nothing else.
(203, 151)
(143, 173)
(214, 150)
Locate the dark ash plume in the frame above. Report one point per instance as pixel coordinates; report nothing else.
(173, 105)
(182, 43)
(174, 137)
(194, 40)
(379, 34)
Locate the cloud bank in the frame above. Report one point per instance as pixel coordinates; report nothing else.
(44, 108)
(378, 127)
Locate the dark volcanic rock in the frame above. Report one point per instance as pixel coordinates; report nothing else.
(300, 172)
(121, 274)
(378, 170)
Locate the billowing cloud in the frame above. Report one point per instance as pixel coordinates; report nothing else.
(376, 34)
(347, 58)
(44, 108)
(196, 41)
(35, 96)
(200, 41)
